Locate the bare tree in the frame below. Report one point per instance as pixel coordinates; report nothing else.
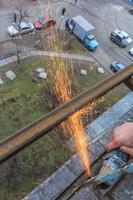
(20, 15)
(75, 2)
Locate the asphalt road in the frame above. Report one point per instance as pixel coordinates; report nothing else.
(8, 4)
(105, 15)
(109, 16)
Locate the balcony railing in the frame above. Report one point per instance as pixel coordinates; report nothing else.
(15, 143)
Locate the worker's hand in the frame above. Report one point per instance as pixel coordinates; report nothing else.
(122, 138)
(128, 150)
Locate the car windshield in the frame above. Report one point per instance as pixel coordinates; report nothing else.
(120, 65)
(90, 37)
(17, 26)
(42, 20)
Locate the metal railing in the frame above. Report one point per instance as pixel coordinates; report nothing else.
(15, 143)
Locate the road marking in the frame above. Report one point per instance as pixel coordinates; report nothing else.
(116, 7)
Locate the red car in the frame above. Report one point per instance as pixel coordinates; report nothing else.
(44, 22)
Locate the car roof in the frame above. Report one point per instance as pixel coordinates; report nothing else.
(42, 20)
(124, 34)
(117, 62)
(24, 24)
(131, 50)
(120, 65)
(121, 34)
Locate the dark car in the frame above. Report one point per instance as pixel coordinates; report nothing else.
(116, 66)
(118, 38)
(44, 22)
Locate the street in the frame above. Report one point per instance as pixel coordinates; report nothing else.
(106, 16)
(109, 16)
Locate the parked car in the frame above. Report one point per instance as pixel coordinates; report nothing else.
(20, 28)
(44, 22)
(5, 55)
(121, 38)
(117, 66)
(131, 52)
(126, 36)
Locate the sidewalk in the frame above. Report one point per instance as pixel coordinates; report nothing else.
(46, 53)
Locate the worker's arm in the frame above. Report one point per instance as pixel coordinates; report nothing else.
(122, 138)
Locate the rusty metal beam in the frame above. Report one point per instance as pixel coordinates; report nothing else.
(129, 83)
(33, 132)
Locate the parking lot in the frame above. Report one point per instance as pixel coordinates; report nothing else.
(106, 16)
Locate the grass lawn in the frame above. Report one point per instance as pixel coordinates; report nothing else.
(93, 78)
(21, 103)
(69, 44)
(55, 41)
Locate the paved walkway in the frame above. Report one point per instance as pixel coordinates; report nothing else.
(46, 53)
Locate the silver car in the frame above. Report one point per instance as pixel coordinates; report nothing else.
(23, 28)
(131, 51)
